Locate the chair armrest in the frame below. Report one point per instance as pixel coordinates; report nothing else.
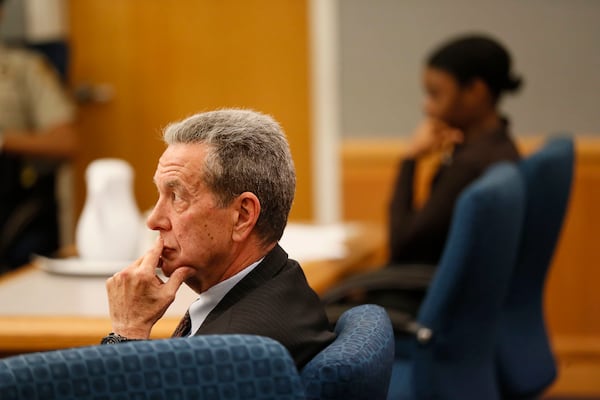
(404, 323)
(404, 277)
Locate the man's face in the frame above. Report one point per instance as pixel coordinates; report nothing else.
(195, 231)
(445, 99)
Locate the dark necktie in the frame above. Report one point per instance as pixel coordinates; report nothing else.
(184, 327)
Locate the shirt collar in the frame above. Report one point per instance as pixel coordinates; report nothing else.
(209, 299)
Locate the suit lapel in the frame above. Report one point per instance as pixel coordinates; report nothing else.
(273, 262)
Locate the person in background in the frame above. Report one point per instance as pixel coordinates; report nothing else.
(464, 80)
(225, 184)
(36, 136)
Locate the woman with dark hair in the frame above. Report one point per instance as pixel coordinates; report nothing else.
(464, 80)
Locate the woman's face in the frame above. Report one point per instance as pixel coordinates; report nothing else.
(445, 99)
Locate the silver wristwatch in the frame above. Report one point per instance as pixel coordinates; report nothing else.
(113, 338)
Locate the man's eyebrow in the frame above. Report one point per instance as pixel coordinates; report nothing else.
(171, 184)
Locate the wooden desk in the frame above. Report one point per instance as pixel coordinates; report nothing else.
(42, 311)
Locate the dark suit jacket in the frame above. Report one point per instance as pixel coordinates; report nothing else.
(274, 300)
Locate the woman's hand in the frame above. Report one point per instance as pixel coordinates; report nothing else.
(432, 135)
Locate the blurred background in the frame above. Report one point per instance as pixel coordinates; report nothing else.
(133, 66)
(554, 45)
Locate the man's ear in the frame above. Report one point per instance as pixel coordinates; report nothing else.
(247, 207)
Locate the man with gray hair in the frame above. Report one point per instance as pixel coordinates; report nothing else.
(226, 183)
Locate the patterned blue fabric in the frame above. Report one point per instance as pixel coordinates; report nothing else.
(464, 301)
(358, 364)
(200, 367)
(526, 364)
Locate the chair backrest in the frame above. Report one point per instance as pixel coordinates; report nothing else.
(199, 367)
(525, 361)
(358, 364)
(463, 303)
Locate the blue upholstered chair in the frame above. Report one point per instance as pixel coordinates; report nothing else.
(455, 335)
(358, 364)
(200, 367)
(525, 362)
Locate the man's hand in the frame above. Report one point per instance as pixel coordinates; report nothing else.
(137, 298)
(433, 136)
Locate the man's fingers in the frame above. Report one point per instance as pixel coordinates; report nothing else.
(151, 259)
(178, 277)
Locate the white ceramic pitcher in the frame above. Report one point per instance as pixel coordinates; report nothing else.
(108, 228)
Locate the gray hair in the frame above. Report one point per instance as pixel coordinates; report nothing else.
(247, 152)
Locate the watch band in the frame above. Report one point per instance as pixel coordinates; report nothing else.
(114, 338)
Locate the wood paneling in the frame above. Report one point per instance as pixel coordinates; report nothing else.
(572, 298)
(168, 59)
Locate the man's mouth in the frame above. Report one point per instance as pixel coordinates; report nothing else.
(168, 253)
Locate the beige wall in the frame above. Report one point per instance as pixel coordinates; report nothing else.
(383, 44)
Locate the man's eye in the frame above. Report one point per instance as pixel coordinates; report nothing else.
(174, 196)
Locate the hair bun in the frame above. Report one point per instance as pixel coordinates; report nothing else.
(513, 83)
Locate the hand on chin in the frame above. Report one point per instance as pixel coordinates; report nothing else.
(188, 272)
(169, 268)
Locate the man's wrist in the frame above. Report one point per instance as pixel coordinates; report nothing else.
(114, 338)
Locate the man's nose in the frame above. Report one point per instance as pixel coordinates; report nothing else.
(157, 220)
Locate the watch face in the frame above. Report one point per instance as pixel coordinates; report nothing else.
(112, 339)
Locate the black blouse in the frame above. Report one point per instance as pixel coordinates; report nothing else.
(418, 236)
